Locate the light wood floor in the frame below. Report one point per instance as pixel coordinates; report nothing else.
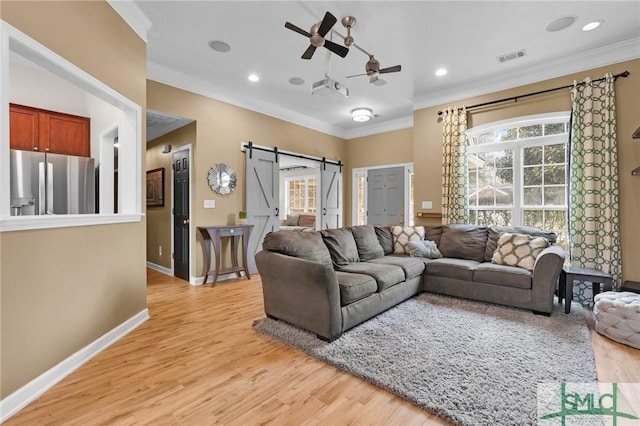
(197, 361)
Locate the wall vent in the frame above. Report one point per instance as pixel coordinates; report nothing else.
(511, 56)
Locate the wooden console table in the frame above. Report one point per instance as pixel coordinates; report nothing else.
(213, 234)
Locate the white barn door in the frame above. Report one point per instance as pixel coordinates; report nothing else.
(330, 196)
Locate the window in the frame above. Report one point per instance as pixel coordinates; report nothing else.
(360, 206)
(518, 173)
(300, 194)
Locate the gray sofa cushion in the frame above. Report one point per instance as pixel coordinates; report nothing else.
(509, 276)
(341, 245)
(495, 231)
(463, 241)
(305, 245)
(354, 287)
(460, 269)
(433, 233)
(367, 242)
(411, 266)
(385, 275)
(385, 238)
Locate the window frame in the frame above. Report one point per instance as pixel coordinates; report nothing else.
(517, 208)
(306, 178)
(129, 134)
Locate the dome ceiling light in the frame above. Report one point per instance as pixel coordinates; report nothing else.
(361, 114)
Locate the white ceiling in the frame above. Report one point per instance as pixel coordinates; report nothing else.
(463, 36)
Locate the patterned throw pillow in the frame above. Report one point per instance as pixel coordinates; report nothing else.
(424, 248)
(518, 250)
(403, 234)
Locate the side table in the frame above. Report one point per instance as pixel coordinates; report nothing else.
(569, 274)
(213, 235)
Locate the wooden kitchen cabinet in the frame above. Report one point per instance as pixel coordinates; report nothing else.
(33, 129)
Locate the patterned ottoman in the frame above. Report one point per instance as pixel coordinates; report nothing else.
(617, 316)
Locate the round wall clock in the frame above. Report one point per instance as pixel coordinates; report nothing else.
(222, 178)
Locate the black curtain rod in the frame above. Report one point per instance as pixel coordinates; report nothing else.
(251, 146)
(515, 98)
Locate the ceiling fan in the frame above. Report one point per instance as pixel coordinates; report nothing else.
(372, 69)
(316, 36)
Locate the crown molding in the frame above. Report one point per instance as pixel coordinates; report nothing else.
(533, 73)
(162, 74)
(133, 16)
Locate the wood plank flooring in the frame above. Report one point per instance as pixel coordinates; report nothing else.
(197, 361)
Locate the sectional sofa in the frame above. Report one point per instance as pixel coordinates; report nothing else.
(332, 280)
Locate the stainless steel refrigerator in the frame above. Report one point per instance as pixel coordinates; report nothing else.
(43, 183)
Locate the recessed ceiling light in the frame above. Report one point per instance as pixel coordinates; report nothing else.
(296, 81)
(440, 72)
(361, 114)
(592, 25)
(253, 77)
(219, 46)
(561, 23)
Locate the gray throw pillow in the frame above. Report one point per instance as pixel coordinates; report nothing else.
(385, 238)
(305, 245)
(433, 233)
(424, 248)
(367, 242)
(342, 246)
(462, 241)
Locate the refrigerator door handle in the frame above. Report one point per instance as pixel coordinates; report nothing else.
(49, 188)
(41, 189)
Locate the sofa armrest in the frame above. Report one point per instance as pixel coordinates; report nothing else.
(546, 272)
(301, 292)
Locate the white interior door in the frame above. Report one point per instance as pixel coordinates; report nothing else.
(262, 192)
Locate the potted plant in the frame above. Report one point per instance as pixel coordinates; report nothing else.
(242, 218)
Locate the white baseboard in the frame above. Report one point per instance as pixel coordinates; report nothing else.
(32, 390)
(160, 268)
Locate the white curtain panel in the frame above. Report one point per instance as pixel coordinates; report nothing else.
(455, 188)
(593, 201)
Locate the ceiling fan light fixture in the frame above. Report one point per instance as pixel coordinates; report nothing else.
(361, 114)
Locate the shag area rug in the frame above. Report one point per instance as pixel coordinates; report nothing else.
(471, 363)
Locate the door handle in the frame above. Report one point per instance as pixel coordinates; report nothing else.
(185, 221)
(324, 211)
(277, 211)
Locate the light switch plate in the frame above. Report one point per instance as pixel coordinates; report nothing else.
(209, 204)
(427, 205)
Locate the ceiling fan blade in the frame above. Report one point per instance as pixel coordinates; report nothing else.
(296, 29)
(336, 48)
(355, 75)
(309, 52)
(327, 22)
(395, 68)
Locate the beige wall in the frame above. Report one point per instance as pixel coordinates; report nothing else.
(395, 147)
(159, 218)
(427, 143)
(220, 128)
(63, 288)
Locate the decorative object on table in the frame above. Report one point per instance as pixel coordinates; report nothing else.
(242, 218)
(222, 178)
(617, 316)
(444, 354)
(155, 187)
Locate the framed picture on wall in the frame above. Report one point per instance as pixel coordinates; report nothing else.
(155, 187)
